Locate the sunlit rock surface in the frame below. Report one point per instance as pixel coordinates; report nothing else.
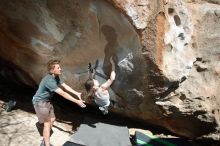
(166, 54)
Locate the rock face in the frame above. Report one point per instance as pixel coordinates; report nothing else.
(167, 54)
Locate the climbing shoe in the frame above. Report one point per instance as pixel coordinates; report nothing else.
(90, 67)
(43, 144)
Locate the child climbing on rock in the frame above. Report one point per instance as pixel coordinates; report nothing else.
(100, 92)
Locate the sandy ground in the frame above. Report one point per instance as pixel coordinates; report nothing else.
(17, 128)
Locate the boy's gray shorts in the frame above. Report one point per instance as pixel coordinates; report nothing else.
(44, 111)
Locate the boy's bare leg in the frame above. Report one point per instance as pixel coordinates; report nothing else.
(46, 133)
(52, 122)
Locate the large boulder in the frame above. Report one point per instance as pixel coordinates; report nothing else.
(166, 54)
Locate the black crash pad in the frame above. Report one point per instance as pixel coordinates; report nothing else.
(97, 133)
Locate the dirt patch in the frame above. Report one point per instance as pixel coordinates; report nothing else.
(18, 128)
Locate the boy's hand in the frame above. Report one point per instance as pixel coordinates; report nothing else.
(81, 103)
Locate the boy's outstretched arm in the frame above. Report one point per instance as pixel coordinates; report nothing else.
(68, 88)
(69, 97)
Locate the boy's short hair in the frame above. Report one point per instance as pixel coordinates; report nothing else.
(52, 63)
